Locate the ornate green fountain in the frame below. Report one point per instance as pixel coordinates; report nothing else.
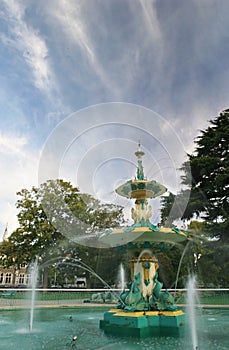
(143, 310)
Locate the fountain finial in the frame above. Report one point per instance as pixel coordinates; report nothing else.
(139, 153)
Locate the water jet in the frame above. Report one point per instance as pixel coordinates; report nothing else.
(33, 282)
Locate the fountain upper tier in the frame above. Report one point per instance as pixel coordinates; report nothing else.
(140, 188)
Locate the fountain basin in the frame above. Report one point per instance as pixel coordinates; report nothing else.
(53, 330)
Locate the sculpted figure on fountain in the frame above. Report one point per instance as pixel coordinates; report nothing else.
(144, 291)
(142, 212)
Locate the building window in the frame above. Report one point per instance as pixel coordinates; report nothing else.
(1, 278)
(21, 278)
(8, 277)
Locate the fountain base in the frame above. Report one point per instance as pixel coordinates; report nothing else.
(143, 324)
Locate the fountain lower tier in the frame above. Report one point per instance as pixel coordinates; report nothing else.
(141, 234)
(142, 324)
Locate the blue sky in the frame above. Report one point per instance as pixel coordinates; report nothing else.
(60, 58)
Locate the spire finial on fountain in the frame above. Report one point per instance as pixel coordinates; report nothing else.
(139, 153)
(140, 188)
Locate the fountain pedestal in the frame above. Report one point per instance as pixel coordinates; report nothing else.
(142, 324)
(143, 310)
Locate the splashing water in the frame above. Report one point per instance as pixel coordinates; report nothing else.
(139, 258)
(33, 281)
(179, 266)
(122, 277)
(191, 301)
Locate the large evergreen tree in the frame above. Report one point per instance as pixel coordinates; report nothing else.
(209, 165)
(208, 202)
(210, 177)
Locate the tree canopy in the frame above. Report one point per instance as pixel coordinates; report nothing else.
(38, 234)
(209, 166)
(210, 177)
(207, 208)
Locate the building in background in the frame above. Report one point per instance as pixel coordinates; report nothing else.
(12, 276)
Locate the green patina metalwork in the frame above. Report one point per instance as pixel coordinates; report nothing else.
(104, 297)
(133, 300)
(132, 227)
(147, 267)
(108, 231)
(153, 228)
(144, 291)
(140, 172)
(132, 186)
(157, 247)
(162, 301)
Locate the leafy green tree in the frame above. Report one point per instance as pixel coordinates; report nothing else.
(47, 212)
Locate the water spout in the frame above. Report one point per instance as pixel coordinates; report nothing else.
(33, 281)
(139, 258)
(191, 301)
(80, 264)
(122, 277)
(179, 266)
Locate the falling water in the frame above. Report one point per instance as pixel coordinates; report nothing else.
(85, 267)
(33, 282)
(122, 277)
(191, 301)
(81, 265)
(139, 258)
(179, 266)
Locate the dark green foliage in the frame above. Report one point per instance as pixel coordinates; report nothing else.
(167, 203)
(213, 267)
(209, 181)
(210, 172)
(208, 201)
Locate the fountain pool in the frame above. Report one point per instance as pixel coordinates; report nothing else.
(54, 329)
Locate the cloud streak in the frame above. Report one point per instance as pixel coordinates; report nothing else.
(29, 45)
(12, 145)
(71, 19)
(151, 20)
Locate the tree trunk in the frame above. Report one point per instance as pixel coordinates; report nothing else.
(45, 277)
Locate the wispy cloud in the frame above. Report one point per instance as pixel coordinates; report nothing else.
(151, 20)
(29, 44)
(69, 16)
(12, 145)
